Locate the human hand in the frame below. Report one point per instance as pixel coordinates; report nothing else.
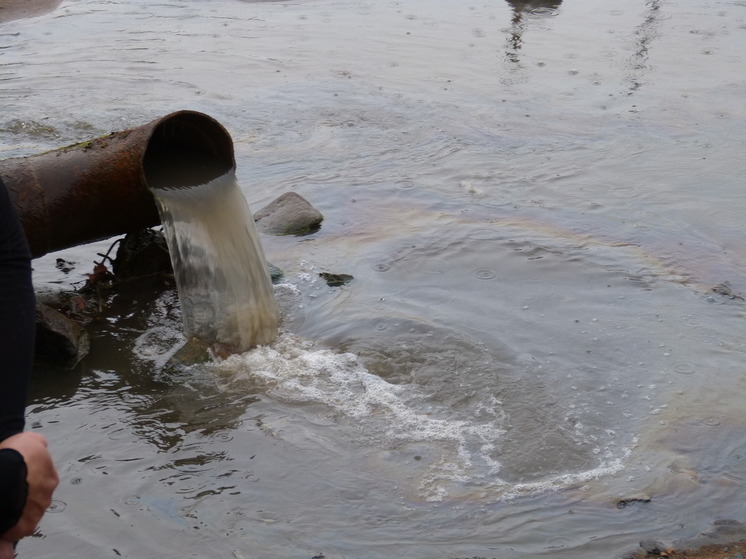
(42, 481)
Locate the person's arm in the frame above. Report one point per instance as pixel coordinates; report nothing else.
(41, 478)
(13, 488)
(28, 476)
(17, 319)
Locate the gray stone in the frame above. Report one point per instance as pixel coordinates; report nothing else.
(652, 547)
(59, 339)
(290, 214)
(336, 280)
(275, 273)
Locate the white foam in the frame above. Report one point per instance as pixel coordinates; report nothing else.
(563, 481)
(464, 445)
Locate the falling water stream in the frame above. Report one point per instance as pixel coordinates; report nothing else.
(224, 288)
(542, 351)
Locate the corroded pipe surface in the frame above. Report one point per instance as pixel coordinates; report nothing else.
(95, 190)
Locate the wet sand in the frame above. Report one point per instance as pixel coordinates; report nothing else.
(726, 540)
(18, 9)
(712, 551)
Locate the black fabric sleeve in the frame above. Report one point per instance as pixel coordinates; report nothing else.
(17, 319)
(13, 488)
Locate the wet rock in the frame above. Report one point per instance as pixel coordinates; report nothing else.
(145, 253)
(290, 214)
(336, 280)
(65, 266)
(275, 273)
(726, 290)
(193, 352)
(59, 339)
(624, 503)
(142, 254)
(652, 547)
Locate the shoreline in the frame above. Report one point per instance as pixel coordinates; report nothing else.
(726, 540)
(19, 9)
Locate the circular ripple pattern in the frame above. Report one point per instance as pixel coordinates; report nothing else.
(727, 218)
(484, 274)
(132, 500)
(684, 368)
(57, 506)
(485, 235)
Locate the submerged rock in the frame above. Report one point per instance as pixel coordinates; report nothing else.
(652, 547)
(726, 290)
(193, 352)
(624, 503)
(290, 214)
(59, 339)
(336, 280)
(275, 273)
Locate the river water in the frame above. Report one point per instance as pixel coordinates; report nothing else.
(535, 203)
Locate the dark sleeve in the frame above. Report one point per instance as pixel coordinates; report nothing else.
(13, 488)
(17, 319)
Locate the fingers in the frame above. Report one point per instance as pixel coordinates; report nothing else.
(6, 550)
(42, 480)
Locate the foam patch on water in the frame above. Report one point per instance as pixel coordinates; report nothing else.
(443, 453)
(562, 481)
(429, 415)
(384, 415)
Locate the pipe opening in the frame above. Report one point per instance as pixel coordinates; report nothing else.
(187, 149)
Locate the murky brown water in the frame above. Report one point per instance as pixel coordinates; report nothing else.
(535, 205)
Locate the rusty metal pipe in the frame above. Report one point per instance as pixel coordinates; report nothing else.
(98, 189)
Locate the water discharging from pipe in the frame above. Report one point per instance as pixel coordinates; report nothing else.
(94, 190)
(221, 274)
(224, 286)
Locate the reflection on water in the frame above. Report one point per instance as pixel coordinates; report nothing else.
(537, 328)
(645, 34)
(523, 12)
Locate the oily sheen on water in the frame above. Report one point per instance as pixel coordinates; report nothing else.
(221, 274)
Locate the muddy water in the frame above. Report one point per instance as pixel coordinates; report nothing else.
(535, 201)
